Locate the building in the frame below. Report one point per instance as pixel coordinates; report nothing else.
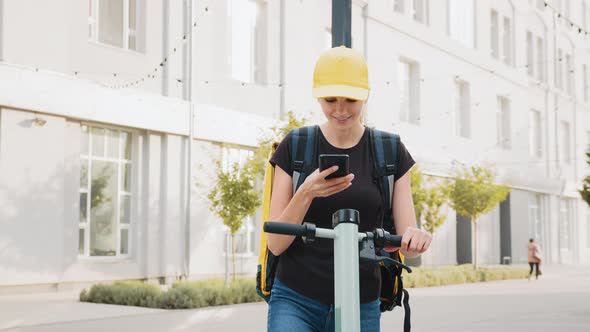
(96, 107)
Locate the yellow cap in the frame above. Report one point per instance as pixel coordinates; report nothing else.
(341, 72)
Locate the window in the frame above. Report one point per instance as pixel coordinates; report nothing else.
(569, 74)
(535, 67)
(409, 85)
(503, 123)
(507, 42)
(559, 69)
(461, 108)
(248, 40)
(105, 192)
(398, 6)
(535, 143)
(536, 218)
(420, 11)
(116, 23)
(495, 35)
(585, 81)
(244, 239)
(234, 156)
(565, 142)
(506, 32)
(565, 223)
(461, 21)
(558, 5)
(92, 8)
(261, 42)
(566, 12)
(530, 67)
(584, 16)
(328, 38)
(540, 59)
(558, 10)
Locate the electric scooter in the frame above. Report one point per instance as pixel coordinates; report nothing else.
(347, 252)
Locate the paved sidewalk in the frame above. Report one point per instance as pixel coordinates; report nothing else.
(49, 308)
(556, 302)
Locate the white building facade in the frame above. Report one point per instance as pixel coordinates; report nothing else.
(96, 104)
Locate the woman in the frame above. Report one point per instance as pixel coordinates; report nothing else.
(535, 258)
(302, 298)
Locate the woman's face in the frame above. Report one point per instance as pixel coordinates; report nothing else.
(342, 112)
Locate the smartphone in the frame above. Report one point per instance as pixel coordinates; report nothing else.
(329, 160)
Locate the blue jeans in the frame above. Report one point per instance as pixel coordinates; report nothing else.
(291, 311)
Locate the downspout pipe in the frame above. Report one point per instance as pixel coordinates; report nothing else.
(165, 44)
(555, 128)
(191, 119)
(2, 30)
(282, 57)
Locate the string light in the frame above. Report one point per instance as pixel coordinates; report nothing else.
(581, 30)
(164, 61)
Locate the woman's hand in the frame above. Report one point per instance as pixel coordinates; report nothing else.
(414, 242)
(316, 185)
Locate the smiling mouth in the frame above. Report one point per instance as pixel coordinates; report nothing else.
(342, 119)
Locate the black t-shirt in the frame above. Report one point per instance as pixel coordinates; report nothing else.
(309, 268)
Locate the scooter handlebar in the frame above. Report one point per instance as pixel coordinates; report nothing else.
(285, 228)
(392, 240)
(384, 239)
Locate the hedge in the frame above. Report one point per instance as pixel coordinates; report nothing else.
(212, 292)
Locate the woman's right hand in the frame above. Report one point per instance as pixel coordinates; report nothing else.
(316, 185)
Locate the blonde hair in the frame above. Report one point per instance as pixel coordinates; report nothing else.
(363, 118)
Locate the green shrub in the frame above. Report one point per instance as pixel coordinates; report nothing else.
(450, 275)
(84, 296)
(212, 292)
(182, 298)
(182, 295)
(133, 293)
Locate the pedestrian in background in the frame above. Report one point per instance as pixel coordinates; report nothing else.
(535, 258)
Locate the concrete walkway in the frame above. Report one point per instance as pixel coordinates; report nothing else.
(556, 302)
(50, 308)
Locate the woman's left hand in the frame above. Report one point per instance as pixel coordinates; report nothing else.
(414, 242)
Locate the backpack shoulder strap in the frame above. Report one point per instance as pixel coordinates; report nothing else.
(384, 147)
(303, 153)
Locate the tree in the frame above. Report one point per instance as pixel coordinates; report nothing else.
(585, 191)
(234, 198)
(429, 196)
(474, 193)
(235, 195)
(418, 192)
(435, 198)
(258, 161)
